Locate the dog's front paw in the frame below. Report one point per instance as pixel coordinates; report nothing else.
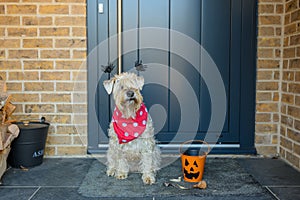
(148, 179)
(110, 172)
(121, 175)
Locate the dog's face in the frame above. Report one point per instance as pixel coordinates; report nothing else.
(126, 92)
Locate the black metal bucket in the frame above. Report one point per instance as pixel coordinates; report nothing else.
(27, 150)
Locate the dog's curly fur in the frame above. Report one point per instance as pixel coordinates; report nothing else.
(142, 154)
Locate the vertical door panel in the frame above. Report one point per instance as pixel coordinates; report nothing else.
(102, 99)
(92, 61)
(235, 71)
(155, 13)
(130, 23)
(215, 39)
(185, 18)
(112, 30)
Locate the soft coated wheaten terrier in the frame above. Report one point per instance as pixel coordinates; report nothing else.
(132, 146)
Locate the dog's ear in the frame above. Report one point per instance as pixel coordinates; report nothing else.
(108, 85)
(140, 82)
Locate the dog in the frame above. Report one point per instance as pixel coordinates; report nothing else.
(132, 146)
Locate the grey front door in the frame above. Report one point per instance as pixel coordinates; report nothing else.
(216, 25)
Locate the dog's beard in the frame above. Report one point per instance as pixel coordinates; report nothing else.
(133, 100)
(129, 105)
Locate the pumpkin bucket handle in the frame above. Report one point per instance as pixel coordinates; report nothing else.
(190, 142)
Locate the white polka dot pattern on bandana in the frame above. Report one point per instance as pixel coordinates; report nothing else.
(128, 129)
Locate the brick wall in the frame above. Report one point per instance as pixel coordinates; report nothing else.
(42, 48)
(290, 96)
(278, 80)
(269, 53)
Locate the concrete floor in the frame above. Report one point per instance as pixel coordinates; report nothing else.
(60, 178)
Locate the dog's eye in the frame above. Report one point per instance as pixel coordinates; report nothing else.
(122, 87)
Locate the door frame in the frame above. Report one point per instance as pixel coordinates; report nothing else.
(247, 80)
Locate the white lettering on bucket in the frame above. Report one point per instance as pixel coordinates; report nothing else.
(38, 153)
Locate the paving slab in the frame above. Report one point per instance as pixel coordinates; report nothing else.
(52, 172)
(23, 193)
(286, 192)
(281, 179)
(58, 193)
(271, 172)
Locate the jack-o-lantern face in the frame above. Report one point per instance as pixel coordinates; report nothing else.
(191, 168)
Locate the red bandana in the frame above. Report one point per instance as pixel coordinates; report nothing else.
(130, 129)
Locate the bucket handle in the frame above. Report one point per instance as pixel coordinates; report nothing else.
(190, 141)
(26, 122)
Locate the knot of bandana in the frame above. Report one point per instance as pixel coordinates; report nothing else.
(129, 129)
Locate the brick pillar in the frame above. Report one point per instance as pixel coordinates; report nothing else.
(269, 63)
(290, 106)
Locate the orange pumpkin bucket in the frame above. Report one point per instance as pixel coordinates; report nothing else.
(193, 160)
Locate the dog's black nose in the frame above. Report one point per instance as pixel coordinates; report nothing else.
(130, 93)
